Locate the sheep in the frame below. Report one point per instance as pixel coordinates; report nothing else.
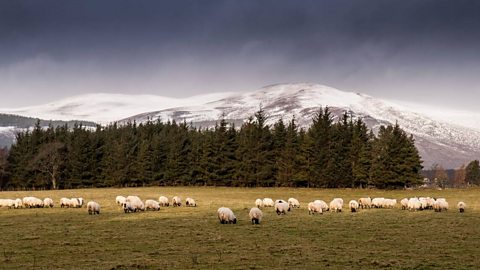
(255, 215)
(461, 207)
(267, 202)
(32, 202)
(365, 202)
(423, 203)
(281, 207)
(176, 201)
(440, 205)
(259, 203)
(190, 202)
(47, 202)
(7, 203)
(93, 208)
(163, 201)
(226, 216)
(133, 204)
(120, 200)
(404, 203)
(314, 207)
(389, 203)
(76, 202)
(336, 205)
(377, 202)
(65, 202)
(323, 204)
(152, 205)
(294, 203)
(414, 204)
(18, 203)
(353, 206)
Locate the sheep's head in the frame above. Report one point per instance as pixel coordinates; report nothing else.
(234, 221)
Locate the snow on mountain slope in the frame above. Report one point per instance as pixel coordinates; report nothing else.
(438, 142)
(105, 108)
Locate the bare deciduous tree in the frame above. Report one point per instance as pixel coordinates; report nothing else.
(49, 160)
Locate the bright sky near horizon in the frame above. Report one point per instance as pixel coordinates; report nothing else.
(419, 51)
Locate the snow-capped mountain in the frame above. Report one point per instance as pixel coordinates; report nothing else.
(447, 137)
(443, 142)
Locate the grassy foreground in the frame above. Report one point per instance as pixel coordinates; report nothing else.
(192, 238)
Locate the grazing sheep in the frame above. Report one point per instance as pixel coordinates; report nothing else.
(440, 205)
(461, 207)
(365, 202)
(259, 203)
(323, 204)
(7, 203)
(314, 207)
(281, 207)
(163, 201)
(190, 202)
(93, 208)
(404, 203)
(18, 203)
(133, 204)
(32, 202)
(377, 202)
(336, 205)
(389, 203)
(414, 204)
(152, 205)
(226, 216)
(255, 215)
(176, 201)
(120, 200)
(267, 202)
(294, 203)
(65, 202)
(47, 202)
(354, 205)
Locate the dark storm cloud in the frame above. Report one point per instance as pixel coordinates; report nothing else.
(188, 47)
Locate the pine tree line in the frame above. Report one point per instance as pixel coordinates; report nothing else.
(327, 154)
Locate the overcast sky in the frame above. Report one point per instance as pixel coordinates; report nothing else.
(424, 51)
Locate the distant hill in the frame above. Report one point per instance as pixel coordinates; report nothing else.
(11, 124)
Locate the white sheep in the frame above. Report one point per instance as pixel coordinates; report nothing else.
(440, 205)
(255, 215)
(336, 205)
(177, 201)
(354, 205)
(32, 202)
(389, 203)
(377, 202)
(65, 202)
(414, 204)
(259, 203)
(152, 205)
(365, 202)
(281, 207)
(93, 208)
(314, 207)
(268, 202)
(133, 204)
(323, 204)
(190, 202)
(120, 200)
(294, 203)
(226, 216)
(47, 202)
(163, 201)
(404, 203)
(7, 203)
(18, 203)
(461, 207)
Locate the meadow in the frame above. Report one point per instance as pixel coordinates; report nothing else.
(192, 238)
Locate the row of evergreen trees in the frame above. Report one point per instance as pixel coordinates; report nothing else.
(328, 154)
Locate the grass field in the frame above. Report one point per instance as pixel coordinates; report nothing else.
(192, 238)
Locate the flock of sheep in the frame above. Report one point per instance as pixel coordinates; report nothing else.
(226, 215)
